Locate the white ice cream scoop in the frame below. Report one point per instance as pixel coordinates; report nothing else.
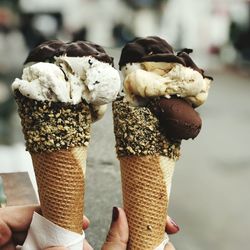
(70, 79)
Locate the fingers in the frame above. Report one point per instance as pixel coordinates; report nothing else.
(5, 233)
(15, 219)
(117, 237)
(171, 227)
(8, 246)
(85, 223)
(20, 218)
(169, 246)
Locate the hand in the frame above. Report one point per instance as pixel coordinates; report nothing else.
(117, 237)
(15, 222)
(14, 225)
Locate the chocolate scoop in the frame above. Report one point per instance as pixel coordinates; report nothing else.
(177, 118)
(49, 49)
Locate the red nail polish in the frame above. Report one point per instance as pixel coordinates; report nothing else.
(85, 224)
(174, 224)
(115, 214)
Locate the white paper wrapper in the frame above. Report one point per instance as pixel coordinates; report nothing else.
(43, 234)
(163, 244)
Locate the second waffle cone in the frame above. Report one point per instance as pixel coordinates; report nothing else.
(60, 177)
(146, 182)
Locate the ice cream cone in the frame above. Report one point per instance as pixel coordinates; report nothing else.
(161, 90)
(57, 136)
(64, 88)
(147, 162)
(145, 181)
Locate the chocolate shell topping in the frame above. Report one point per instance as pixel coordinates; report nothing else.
(177, 117)
(48, 50)
(155, 49)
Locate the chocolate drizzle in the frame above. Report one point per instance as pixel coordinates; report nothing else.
(155, 49)
(184, 55)
(49, 49)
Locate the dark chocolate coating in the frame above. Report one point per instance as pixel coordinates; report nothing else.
(155, 49)
(184, 54)
(177, 118)
(49, 49)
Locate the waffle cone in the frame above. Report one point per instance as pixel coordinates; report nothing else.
(60, 178)
(146, 182)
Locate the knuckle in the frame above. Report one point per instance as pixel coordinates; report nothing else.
(112, 236)
(114, 239)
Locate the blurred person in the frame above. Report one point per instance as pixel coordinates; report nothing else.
(15, 222)
(6, 110)
(201, 25)
(80, 34)
(146, 16)
(96, 18)
(39, 27)
(122, 34)
(12, 46)
(241, 40)
(240, 28)
(41, 21)
(32, 36)
(184, 23)
(12, 50)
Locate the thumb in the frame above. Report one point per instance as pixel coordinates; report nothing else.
(117, 237)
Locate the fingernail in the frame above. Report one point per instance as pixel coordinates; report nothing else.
(174, 224)
(115, 214)
(85, 224)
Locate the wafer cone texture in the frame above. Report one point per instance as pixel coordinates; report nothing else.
(60, 178)
(146, 182)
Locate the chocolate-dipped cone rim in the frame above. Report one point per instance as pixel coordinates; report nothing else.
(53, 48)
(156, 49)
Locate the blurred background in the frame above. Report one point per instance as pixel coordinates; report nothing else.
(209, 194)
